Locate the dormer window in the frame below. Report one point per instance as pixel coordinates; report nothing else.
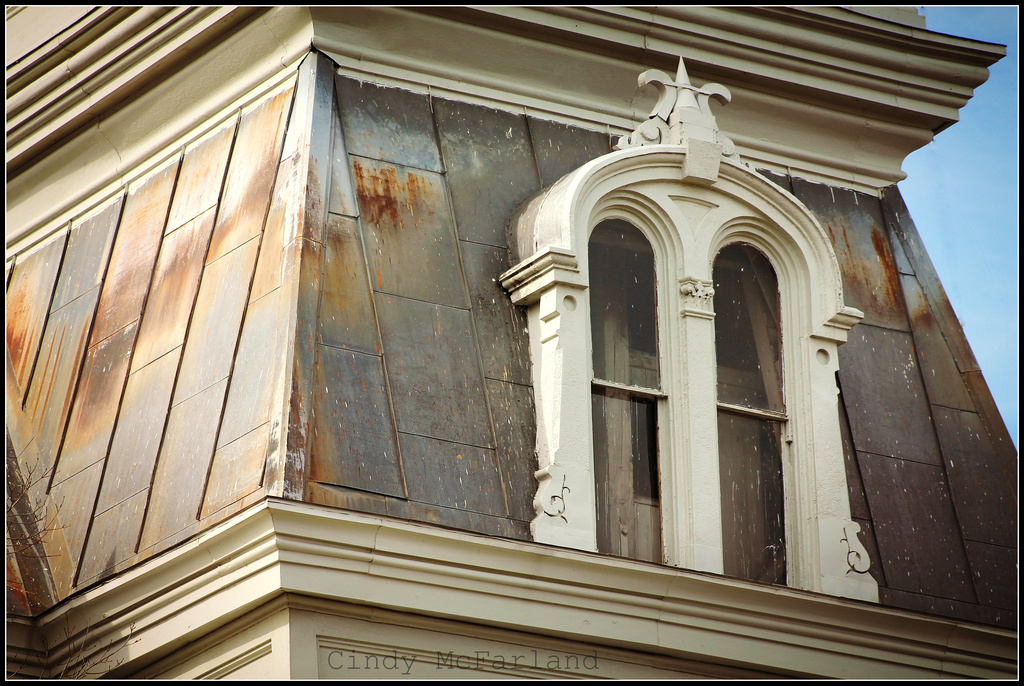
(724, 389)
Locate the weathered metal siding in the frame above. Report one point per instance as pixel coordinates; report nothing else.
(123, 336)
(412, 320)
(931, 469)
(311, 310)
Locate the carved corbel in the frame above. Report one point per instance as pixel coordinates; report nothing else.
(551, 285)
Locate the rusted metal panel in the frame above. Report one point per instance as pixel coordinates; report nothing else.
(346, 317)
(25, 529)
(902, 226)
(490, 167)
(560, 148)
(305, 261)
(213, 333)
(353, 441)
(112, 539)
(180, 478)
(140, 427)
(457, 519)
(854, 223)
(28, 301)
(53, 383)
(915, 526)
(982, 485)
(995, 573)
(388, 124)
(436, 386)
(942, 379)
(256, 365)
(237, 470)
(173, 291)
(346, 499)
(409, 233)
(201, 177)
(96, 403)
(135, 250)
(71, 508)
(16, 598)
(515, 428)
(501, 326)
(342, 197)
(885, 397)
(452, 475)
(86, 257)
(250, 176)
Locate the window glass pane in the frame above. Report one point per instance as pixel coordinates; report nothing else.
(748, 341)
(623, 312)
(626, 466)
(753, 529)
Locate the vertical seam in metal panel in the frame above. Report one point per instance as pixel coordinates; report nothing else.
(329, 135)
(373, 300)
(472, 316)
(85, 356)
(319, 65)
(188, 328)
(128, 368)
(49, 303)
(245, 309)
(895, 231)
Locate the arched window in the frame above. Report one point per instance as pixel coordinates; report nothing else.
(625, 391)
(660, 337)
(751, 414)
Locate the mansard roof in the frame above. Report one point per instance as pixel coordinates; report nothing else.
(300, 299)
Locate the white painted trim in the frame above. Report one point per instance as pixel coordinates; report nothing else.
(280, 547)
(688, 221)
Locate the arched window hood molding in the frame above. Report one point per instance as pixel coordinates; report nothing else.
(690, 200)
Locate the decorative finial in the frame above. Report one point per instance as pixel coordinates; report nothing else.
(682, 116)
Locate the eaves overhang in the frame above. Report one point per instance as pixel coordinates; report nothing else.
(829, 94)
(285, 547)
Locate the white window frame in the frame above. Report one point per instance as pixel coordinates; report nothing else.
(688, 217)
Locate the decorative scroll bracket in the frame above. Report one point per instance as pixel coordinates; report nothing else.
(682, 116)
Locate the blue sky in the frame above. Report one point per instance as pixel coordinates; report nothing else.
(961, 190)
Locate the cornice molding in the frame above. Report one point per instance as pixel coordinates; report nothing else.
(282, 547)
(53, 92)
(149, 83)
(851, 94)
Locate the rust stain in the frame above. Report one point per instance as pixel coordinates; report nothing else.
(28, 298)
(885, 259)
(377, 193)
